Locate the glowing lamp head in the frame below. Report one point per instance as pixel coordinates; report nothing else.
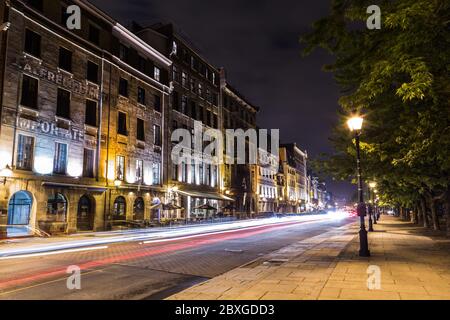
(355, 123)
(372, 185)
(6, 172)
(117, 183)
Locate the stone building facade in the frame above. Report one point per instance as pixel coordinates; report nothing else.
(239, 180)
(293, 167)
(74, 102)
(194, 106)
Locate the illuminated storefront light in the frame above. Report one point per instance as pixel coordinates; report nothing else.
(43, 164)
(74, 168)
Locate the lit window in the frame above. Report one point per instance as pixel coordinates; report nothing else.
(25, 151)
(120, 168)
(60, 161)
(157, 74)
(139, 170)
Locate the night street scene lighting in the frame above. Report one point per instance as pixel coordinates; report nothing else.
(223, 159)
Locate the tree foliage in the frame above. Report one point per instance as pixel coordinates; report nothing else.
(398, 78)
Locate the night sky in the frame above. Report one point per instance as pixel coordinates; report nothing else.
(257, 42)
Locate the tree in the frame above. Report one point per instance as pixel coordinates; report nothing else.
(398, 77)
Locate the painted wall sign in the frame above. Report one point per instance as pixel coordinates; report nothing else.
(83, 88)
(49, 128)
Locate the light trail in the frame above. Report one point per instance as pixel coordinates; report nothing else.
(145, 251)
(158, 234)
(32, 255)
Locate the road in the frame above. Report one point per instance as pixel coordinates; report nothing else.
(150, 269)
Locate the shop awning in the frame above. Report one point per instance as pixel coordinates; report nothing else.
(205, 195)
(74, 186)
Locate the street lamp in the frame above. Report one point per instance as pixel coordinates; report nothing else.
(372, 186)
(355, 126)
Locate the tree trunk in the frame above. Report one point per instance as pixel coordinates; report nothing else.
(423, 205)
(434, 216)
(415, 216)
(447, 210)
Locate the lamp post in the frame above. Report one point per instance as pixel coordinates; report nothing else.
(355, 126)
(372, 186)
(5, 173)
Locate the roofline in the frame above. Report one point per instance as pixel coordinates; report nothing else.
(239, 96)
(142, 44)
(124, 31)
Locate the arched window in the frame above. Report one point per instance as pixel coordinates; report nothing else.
(85, 214)
(57, 208)
(138, 209)
(120, 208)
(19, 208)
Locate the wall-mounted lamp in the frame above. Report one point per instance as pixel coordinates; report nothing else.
(117, 183)
(5, 173)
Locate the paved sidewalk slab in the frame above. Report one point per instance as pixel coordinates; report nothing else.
(413, 263)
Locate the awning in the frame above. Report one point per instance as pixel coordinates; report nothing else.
(205, 195)
(74, 186)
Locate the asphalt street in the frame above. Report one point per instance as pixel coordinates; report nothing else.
(153, 269)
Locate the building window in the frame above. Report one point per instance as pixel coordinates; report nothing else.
(139, 171)
(184, 101)
(56, 208)
(25, 151)
(175, 172)
(120, 208)
(157, 73)
(60, 161)
(192, 172)
(175, 74)
(33, 43)
(175, 101)
(94, 34)
(88, 163)
(141, 64)
(157, 103)
(157, 135)
(122, 127)
(123, 87)
(184, 79)
(123, 52)
(92, 72)
(215, 121)
(63, 104)
(141, 96)
(201, 175)
(65, 59)
(200, 90)
(29, 92)
(184, 172)
(120, 168)
(193, 87)
(140, 132)
(208, 175)
(156, 173)
(91, 113)
(193, 110)
(208, 118)
(174, 48)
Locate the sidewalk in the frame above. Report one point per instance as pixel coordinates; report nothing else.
(414, 264)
